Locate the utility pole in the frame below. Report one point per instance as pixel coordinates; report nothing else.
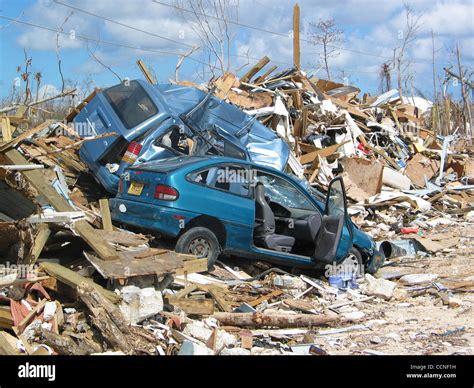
(296, 36)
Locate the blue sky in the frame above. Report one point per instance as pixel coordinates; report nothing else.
(370, 34)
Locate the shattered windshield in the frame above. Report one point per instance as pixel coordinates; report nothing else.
(284, 193)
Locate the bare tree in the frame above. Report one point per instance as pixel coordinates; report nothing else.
(465, 96)
(100, 62)
(181, 59)
(25, 75)
(412, 27)
(326, 33)
(214, 23)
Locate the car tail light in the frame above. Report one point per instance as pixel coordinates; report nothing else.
(132, 152)
(166, 193)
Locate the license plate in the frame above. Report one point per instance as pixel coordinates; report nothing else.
(135, 188)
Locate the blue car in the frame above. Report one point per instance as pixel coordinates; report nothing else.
(137, 122)
(218, 205)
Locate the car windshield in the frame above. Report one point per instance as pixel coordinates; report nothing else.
(284, 193)
(131, 103)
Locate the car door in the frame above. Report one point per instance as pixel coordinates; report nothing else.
(223, 191)
(335, 238)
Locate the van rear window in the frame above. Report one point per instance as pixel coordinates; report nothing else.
(131, 103)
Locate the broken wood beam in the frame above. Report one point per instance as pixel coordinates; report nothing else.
(274, 320)
(193, 306)
(105, 213)
(254, 70)
(324, 153)
(144, 69)
(40, 240)
(73, 279)
(38, 179)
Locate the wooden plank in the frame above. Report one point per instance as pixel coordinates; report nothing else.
(349, 107)
(6, 129)
(185, 291)
(29, 317)
(193, 306)
(24, 136)
(39, 180)
(144, 69)
(254, 70)
(192, 266)
(324, 152)
(263, 298)
(296, 36)
(264, 76)
(73, 279)
(40, 240)
(105, 213)
(6, 344)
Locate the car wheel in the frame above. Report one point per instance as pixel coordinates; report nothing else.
(354, 262)
(200, 242)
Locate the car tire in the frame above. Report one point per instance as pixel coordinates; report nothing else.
(355, 258)
(200, 242)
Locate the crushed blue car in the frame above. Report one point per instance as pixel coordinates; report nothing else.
(216, 206)
(145, 122)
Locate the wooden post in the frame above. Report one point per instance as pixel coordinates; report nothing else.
(296, 36)
(149, 77)
(105, 212)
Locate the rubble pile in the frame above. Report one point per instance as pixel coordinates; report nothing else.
(71, 282)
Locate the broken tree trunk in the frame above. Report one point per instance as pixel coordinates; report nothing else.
(261, 320)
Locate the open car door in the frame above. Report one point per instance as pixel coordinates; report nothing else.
(332, 224)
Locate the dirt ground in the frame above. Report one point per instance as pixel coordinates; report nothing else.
(417, 325)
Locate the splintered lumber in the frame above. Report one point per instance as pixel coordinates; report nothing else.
(38, 179)
(29, 317)
(106, 317)
(6, 129)
(73, 279)
(105, 212)
(324, 152)
(25, 135)
(65, 345)
(38, 244)
(254, 70)
(270, 295)
(6, 344)
(264, 76)
(149, 77)
(271, 320)
(6, 318)
(110, 322)
(193, 306)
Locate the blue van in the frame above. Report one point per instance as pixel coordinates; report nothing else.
(138, 122)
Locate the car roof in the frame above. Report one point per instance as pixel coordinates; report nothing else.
(178, 162)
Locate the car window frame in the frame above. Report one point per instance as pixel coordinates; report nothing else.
(250, 194)
(297, 187)
(119, 115)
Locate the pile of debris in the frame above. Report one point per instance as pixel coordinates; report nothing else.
(73, 283)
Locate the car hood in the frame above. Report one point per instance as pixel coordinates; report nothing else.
(264, 146)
